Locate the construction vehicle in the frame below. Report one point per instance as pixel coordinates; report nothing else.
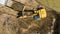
(40, 13)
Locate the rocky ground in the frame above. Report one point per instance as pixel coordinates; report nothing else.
(9, 24)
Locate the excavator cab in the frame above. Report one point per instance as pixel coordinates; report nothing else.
(40, 13)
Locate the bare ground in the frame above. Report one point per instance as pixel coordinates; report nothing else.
(9, 24)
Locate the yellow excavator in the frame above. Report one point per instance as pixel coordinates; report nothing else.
(40, 13)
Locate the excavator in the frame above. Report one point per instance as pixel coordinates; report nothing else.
(40, 13)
